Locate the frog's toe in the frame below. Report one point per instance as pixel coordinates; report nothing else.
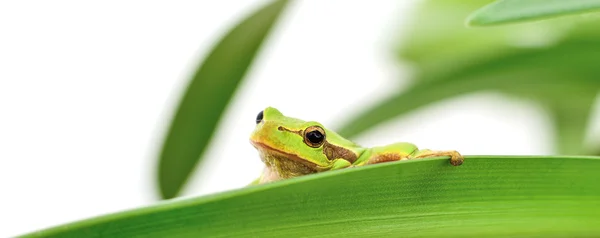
(456, 159)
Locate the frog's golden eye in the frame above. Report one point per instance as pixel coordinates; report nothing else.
(314, 136)
(259, 117)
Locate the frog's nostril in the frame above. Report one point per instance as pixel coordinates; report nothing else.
(280, 128)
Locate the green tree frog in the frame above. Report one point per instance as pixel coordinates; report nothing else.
(290, 147)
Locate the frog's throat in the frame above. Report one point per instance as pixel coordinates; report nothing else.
(283, 162)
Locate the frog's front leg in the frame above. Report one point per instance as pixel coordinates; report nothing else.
(338, 163)
(406, 151)
(456, 158)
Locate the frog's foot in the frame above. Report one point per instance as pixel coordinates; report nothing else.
(456, 158)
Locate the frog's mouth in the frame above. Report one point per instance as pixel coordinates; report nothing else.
(285, 164)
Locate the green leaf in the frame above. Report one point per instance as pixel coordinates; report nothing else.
(488, 196)
(550, 62)
(207, 95)
(537, 74)
(507, 11)
(571, 122)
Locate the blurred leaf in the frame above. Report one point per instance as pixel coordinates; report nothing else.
(438, 39)
(526, 74)
(208, 94)
(488, 196)
(571, 124)
(552, 63)
(507, 11)
(436, 25)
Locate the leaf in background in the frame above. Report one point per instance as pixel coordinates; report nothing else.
(570, 121)
(488, 196)
(552, 63)
(507, 11)
(526, 74)
(208, 94)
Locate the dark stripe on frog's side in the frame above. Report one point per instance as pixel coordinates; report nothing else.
(331, 151)
(298, 132)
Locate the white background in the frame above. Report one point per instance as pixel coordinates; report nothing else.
(86, 90)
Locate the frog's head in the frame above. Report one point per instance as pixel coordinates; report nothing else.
(293, 147)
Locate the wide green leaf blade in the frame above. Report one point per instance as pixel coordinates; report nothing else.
(550, 62)
(571, 122)
(507, 11)
(524, 73)
(488, 196)
(207, 95)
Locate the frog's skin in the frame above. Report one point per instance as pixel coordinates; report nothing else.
(290, 147)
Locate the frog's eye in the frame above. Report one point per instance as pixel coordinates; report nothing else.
(259, 117)
(314, 136)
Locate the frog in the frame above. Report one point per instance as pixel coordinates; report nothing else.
(291, 147)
